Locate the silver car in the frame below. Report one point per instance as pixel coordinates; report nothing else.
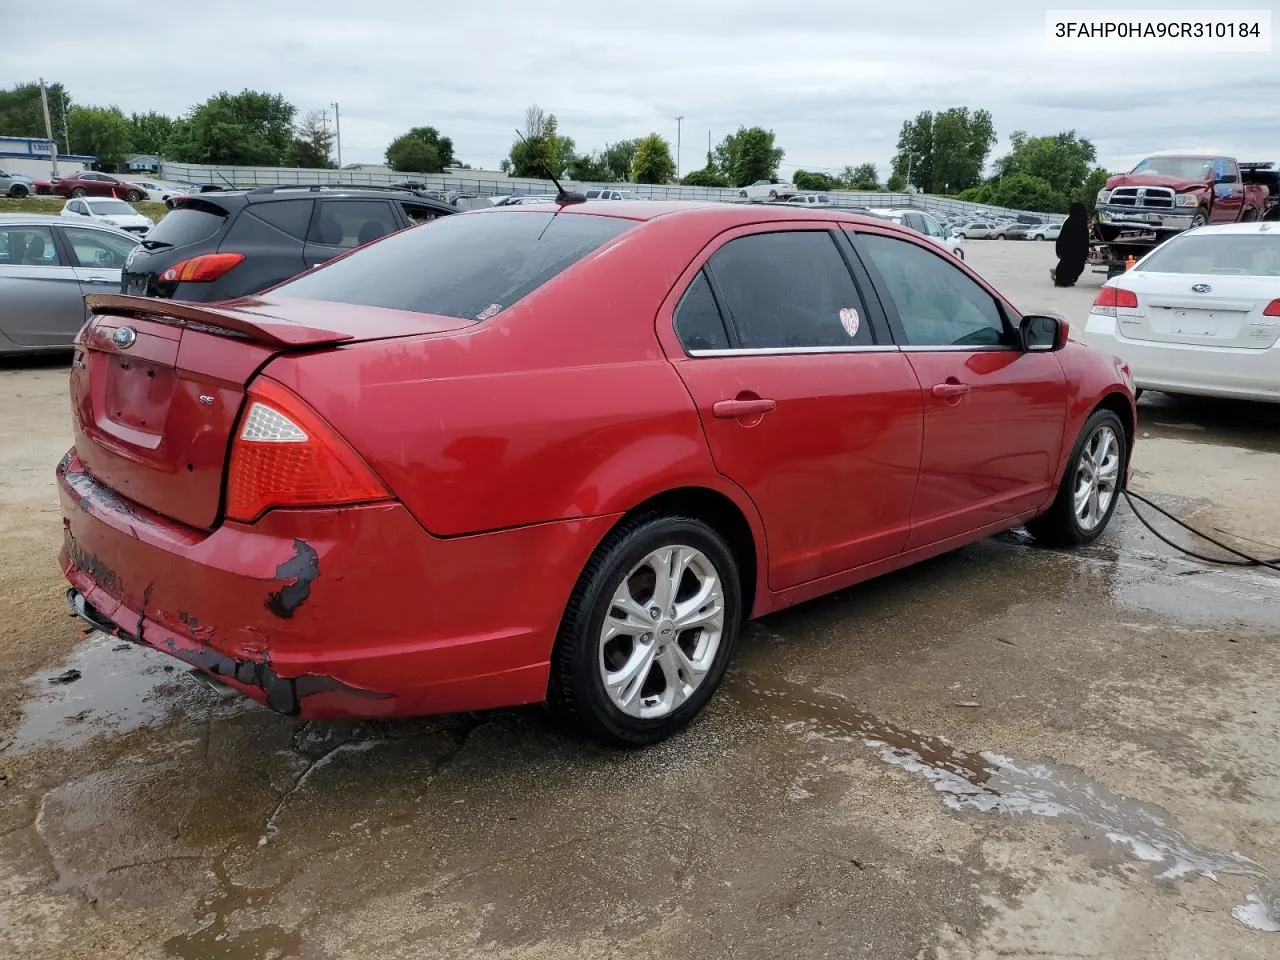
(977, 230)
(47, 265)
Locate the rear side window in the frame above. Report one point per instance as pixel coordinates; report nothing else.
(470, 266)
(352, 223)
(290, 217)
(790, 289)
(187, 225)
(698, 322)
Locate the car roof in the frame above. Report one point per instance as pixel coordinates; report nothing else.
(1257, 226)
(718, 213)
(54, 220)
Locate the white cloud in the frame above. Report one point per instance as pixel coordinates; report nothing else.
(834, 79)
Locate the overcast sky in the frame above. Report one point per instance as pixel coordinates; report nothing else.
(834, 79)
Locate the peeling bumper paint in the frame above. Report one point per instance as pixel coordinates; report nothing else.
(329, 614)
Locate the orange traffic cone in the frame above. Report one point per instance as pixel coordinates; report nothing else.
(1129, 261)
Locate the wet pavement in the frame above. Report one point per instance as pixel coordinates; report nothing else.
(1005, 752)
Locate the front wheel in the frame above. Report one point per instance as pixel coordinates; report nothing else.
(133, 196)
(1200, 219)
(648, 631)
(742, 194)
(18, 191)
(78, 192)
(1091, 486)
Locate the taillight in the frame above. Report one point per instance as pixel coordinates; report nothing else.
(1109, 298)
(285, 455)
(1273, 309)
(201, 269)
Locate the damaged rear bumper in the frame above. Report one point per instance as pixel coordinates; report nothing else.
(338, 613)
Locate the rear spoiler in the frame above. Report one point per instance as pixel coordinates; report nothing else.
(266, 330)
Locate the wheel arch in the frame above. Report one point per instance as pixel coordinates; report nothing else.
(1120, 405)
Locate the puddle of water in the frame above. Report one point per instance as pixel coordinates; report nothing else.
(120, 687)
(214, 941)
(990, 783)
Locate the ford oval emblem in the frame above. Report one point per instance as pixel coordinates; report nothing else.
(124, 337)
(1201, 288)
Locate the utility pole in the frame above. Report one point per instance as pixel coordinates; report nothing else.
(48, 127)
(337, 126)
(679, 120)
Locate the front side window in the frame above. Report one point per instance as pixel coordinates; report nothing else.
(97, 248)
(938, 305)
(790, 289)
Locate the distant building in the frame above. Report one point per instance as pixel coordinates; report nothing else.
(142, 163)
(33, 157)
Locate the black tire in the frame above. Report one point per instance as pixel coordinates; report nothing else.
(1199, 218)
(577, 690)
(773, 194)
(1060, 527)
(742, 194)
(960, 235)
(959, 253)
(133, 196)
(78, 192)
(18, 191)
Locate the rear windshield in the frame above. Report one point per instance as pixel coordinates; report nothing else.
(470, 265)
(1242, 254)
(186, 225)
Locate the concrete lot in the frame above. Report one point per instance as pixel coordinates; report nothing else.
(1109, 787)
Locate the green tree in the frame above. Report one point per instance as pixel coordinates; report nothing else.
(589, 168)
(748, 155)
(897, 182)
(102, 132)
(652, 162)
(250, 128)
(1022, 191)
(945, 152)
(312, 143)
(617, 158)
(403, 155)
(804, 180)
(1063, 160)
(22, 115)
(706, 177)
(540, 149)
(150, 132)
(864, 176)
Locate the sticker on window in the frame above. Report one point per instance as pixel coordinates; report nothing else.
(849, 320)
(492, 310)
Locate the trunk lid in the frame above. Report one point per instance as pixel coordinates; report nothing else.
(1229, 313)
(157, 386)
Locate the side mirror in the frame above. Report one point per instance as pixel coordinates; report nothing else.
(1042, 334)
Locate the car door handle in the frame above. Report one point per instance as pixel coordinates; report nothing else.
(950, 389)
(737, 409)
(100, 280)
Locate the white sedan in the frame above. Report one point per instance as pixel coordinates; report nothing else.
(113, 213)
(161, 191)
(1200, 314)
(770, 189)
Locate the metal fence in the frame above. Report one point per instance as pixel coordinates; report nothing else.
(484, 183)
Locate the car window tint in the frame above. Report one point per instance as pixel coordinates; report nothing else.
(459, 266)
(190, 223)
(352, 223)
(789, 289)
(28, 247)
(698, 322)
(97, 248)
(937, 304)
(290, 217)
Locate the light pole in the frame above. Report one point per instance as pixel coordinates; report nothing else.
(679, 120)
(337, 127)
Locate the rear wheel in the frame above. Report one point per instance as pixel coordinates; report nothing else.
(1090, 488)
(78, 192)
(773, 194)
(18, 191)
(648, 631)
(133, 196)
(960, 234)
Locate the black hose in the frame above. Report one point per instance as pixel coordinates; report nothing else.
(1243, 559)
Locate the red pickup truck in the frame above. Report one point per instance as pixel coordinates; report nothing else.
(1164, 195)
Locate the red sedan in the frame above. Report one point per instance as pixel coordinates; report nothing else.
(92, 184)
(561, 454)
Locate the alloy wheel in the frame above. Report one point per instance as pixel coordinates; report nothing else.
(661, 632)
(1097, 477)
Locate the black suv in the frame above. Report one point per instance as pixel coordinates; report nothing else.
(218, 246)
